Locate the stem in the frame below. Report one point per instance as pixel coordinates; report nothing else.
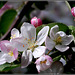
(48, 52)
(68, 5)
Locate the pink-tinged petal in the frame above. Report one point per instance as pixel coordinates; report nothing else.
(15, 52)
(37, 62)
(36, 22)
(2, 61)
(9, 58)
(49, 43)
(42, 35)
(62, 48)
(38, 68)
(48, 58)
(43, 63)
(39, 51)
(73, 11)
(39, 22)
(2, 58)
(3, 45)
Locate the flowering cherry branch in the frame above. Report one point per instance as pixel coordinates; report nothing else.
(25, 41)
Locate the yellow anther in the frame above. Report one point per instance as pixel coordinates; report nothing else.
(58, 40)
(13, 36)
(24, 39)
(33, 46)
(23, 45)
(32, 38)
(29, 39)
(11, 53)
(41, 62)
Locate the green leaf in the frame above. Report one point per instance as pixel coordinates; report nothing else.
(7, 67)
(6, 20)
(57, 58)
(72, 28)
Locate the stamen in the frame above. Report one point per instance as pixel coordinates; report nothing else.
(11, 53)
(23, 45)
(32, 38)
(29, 39)
(41, 62)
(58, 40)
(13, 36)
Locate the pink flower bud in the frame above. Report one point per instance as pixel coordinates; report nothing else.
(36, 21)
(73, 11)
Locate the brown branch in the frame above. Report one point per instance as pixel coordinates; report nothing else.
(18, 19)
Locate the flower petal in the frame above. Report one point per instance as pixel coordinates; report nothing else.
(39, 51)
(63, 61)
(53, 31)
(9, 58)
(3, 45)
(2, 58)
(15, 33)
(73, 48)
(67, 40)
(28, 31)
(60, 33)
(38, 68)
(62, 48)
(26, 58)
(49, 43)
(20, 43)
(15, 52)
(41, 37)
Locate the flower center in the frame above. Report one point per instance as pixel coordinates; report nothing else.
(13, 36)
(31, 43)
(58, 40)
(11, 53)
(41, 62)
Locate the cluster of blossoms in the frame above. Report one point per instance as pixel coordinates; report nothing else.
(30, 45)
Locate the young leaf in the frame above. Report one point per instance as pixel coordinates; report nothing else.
(7, 67)
(6, 20)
